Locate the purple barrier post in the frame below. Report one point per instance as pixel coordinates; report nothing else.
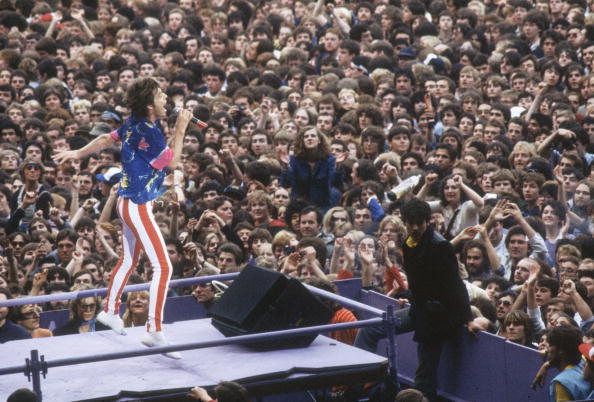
(390, 323)
(34, 368)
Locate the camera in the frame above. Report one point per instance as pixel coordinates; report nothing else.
(403, 187)
(238, 114)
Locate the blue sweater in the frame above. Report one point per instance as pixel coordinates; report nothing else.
(314, 184)
(12, 332)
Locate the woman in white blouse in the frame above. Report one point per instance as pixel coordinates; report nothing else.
(459, 204)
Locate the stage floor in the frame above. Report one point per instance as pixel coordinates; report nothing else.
(324, 362)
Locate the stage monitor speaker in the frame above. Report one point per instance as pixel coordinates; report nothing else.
(262, 300)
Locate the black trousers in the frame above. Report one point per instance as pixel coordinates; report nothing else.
(429, 353)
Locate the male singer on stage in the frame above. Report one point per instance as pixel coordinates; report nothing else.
(144, 156)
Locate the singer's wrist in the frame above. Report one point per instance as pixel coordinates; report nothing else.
(180, 131)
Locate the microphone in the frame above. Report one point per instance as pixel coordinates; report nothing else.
(195, 120)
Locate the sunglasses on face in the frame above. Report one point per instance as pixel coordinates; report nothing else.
(91, 306)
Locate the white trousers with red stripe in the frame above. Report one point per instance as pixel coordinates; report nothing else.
(140, 232)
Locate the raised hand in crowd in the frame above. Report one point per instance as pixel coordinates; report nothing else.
(29, 198)
(55, 217)
(39, 280)
(466, 234)
(368, 264)
(89, 204)
(193, 254)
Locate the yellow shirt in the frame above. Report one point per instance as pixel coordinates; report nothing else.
(410, 242)
(561, 393)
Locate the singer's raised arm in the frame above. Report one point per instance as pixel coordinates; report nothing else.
(181, 124)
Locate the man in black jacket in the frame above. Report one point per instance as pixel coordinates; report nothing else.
(439, 305)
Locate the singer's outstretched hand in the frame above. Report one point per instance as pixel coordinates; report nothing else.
(65, 156)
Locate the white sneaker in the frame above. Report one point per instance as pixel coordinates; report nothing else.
(155, 338)
(113, 321)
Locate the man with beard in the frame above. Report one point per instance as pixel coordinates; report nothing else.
(85, 185)
(55, 288)
(475, 259)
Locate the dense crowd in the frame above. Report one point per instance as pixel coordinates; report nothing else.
(323, 118)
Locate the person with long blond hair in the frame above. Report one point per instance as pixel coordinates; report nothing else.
(136, 309)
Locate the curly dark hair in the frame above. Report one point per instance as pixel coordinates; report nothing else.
(302, 153)
(470, 244)
(140, 95)
(228, 391)
(567, 339)
(416, 211)
(442, 185)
